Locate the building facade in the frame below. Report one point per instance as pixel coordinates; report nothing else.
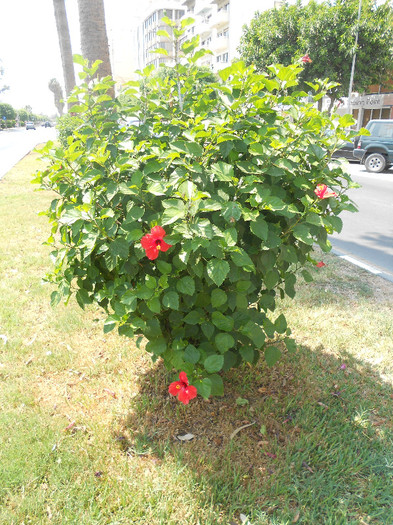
(218, 23)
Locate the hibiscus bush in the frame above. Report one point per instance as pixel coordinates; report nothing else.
(184, 213)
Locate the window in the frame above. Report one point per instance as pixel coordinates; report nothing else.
(225, 57)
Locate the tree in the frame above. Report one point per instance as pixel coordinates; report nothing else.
(94, 39)
(327, 32)
(2, 87)
(7, 111)
(55, 87)
(65, 46)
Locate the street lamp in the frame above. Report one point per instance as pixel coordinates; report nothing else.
(354, 58)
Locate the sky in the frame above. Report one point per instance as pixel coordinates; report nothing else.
(29, 47)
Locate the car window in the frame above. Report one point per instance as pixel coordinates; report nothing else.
(381, 129)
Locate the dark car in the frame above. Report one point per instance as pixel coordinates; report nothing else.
(346, 152)
(47, 124)
(375, 151)
(30, 125)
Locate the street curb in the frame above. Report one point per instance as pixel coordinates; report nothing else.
(368, 267)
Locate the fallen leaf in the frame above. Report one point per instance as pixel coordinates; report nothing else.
(304, 464)
(296, 517)
(239, 429)
(4, 338)
(113, 394)
(71, 425)
(273, 456)
(29, 360)
(185, 437)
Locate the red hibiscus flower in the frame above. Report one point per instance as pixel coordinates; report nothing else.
(320, 264)
(182, 389)
(306, 59)
(321, 192)
(153, 242)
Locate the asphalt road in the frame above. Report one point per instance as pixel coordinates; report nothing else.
(16, 143)
(367, 236)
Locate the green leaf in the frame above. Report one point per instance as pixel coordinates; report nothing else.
(280, 324)
(204, 387)
(217, 270)
(241, 259)
(83, 298)
(213, 363)
(272, 277)
(208, 330)
(290, 344)
(55, 299)
(218, 297)
(247, 353)
(174, 210)
(119, 248)
(222, 322)
(126, 330)
(156, 346)
(231, 211)
(154, 305)
(255, 333)
(164, 267)
(288, 254)
(272, 355)
(224, 342)
(193, 317)
(302, 233)
(191, 354)
(186, 285)
(307, 276)
(223, 171)
(129, 298)
(260, 228)
(171, 300)
(110, 323)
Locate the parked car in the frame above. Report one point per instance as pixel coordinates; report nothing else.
(346, 151)
(375, 151)
(47, 124)
(30, 125)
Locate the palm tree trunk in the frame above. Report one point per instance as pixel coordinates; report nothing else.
(65, 45)
(94, 39)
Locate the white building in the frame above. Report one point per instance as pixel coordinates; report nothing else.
(218, 23)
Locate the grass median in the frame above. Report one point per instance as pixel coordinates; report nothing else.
(89, 434)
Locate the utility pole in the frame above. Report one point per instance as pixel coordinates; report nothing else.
(354, 59)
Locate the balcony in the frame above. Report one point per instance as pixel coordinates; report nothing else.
(220, 18)
(219, 44)
(202, 7)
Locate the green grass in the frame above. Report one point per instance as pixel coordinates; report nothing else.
(88, 431)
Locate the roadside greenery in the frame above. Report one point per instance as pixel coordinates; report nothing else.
(327, 32)
(234, 175)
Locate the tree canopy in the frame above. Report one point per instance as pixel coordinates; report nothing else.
(327, 32)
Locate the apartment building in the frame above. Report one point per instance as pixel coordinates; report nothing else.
(151, 40)
(218, 23)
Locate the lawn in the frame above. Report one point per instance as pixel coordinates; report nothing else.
(89, 434)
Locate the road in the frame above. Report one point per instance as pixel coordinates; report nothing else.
(16, 143)
(367, 236)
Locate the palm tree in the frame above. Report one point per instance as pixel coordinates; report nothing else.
(65, 45)
(55, 87)
(94, 39)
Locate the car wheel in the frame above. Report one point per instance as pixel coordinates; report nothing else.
(375, 163)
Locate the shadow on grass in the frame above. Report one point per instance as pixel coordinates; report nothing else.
(319, 449)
